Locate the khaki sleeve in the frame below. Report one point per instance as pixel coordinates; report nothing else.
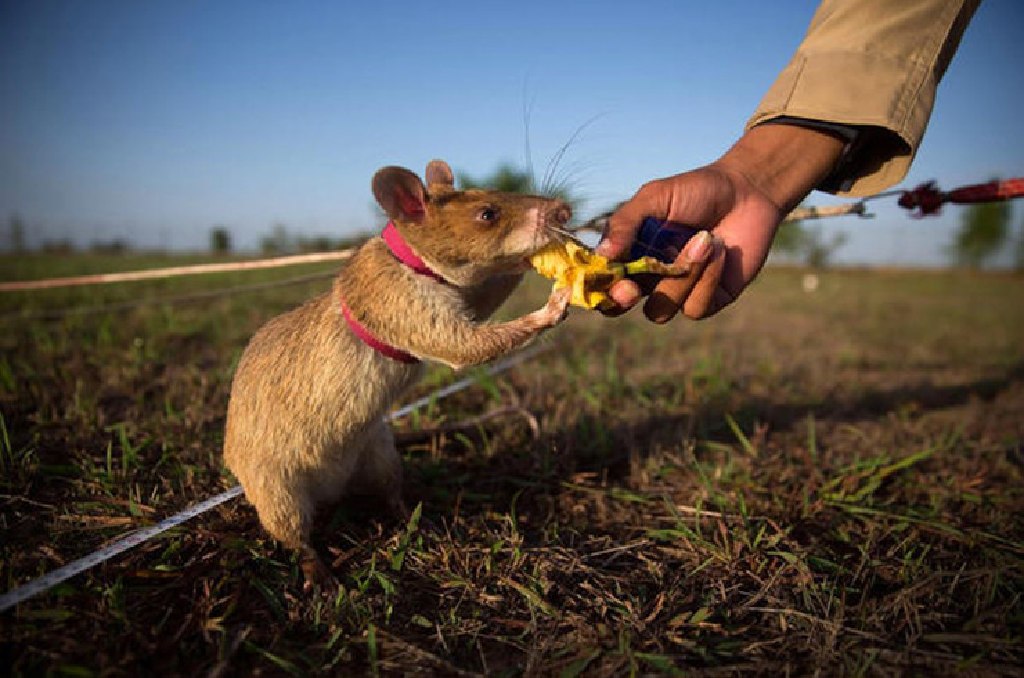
(873, 65)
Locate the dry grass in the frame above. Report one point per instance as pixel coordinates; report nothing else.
(826, 482)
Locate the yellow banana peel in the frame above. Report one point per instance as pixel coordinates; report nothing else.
(572, 264)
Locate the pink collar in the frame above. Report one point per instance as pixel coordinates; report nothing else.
(396, 243)
(373, 342)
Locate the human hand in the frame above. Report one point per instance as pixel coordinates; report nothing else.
(723, 259)
(741, 199)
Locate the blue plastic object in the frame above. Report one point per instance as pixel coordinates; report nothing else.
(663, 240)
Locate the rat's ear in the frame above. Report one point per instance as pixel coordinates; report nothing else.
(401, 194)
(439, 176)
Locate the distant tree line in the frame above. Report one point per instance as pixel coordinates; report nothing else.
(807, 244)
(280, 241)
(984, 231)
(220, 240)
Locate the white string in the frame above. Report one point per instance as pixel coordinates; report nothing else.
(129, 541)
(173, 271)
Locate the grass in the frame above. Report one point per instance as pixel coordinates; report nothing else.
(827, 482)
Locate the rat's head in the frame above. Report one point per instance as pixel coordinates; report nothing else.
(467, 236)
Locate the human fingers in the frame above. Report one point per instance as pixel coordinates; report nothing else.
(708, 296)
(623, 296)
(671, 292)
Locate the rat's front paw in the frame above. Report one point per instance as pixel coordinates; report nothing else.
(555, 310)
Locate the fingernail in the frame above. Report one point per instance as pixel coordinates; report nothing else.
(699, 247)
(603, 247)
(624, 294)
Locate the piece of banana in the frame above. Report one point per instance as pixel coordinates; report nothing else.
(572, 264)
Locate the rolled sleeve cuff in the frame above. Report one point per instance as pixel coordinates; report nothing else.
(887, 99)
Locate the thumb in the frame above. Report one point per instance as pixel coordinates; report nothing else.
(625, 222)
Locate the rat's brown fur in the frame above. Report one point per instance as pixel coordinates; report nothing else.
(305, 420)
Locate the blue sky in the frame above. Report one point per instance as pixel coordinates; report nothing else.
(154, 121)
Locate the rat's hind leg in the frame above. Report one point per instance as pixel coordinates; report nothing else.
(379, 472)
(285, 509)
(287, 514)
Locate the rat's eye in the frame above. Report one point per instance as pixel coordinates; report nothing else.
(488, 214)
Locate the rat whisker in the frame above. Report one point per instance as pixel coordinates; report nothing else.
(561, 234)
(570, 174)
(559, 229)
(595, 225)
(552, 166)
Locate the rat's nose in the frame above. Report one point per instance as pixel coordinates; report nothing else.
(561, 214)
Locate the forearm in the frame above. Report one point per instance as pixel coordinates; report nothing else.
(783, 162)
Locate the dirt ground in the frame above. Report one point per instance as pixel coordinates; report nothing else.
(811, 483)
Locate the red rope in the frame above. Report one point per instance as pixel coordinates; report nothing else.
(994, 190)
(928, 199)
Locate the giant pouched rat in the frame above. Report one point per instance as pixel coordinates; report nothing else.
(305, 421)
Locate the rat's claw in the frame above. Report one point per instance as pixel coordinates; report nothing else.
(315, 572)
(560, 300)
(557, 307)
